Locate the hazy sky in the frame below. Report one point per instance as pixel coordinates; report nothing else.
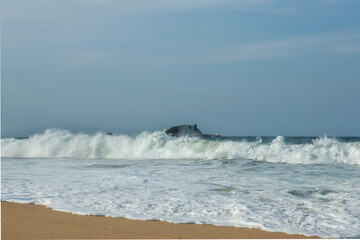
(234, 67)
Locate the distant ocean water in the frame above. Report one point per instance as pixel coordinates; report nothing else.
(303, 185)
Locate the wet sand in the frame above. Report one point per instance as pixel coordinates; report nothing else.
(28, 221)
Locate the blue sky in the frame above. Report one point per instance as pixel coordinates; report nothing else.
(233, 67)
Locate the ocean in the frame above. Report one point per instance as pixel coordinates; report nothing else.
(301, 185)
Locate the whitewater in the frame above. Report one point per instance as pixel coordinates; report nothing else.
(302, 185)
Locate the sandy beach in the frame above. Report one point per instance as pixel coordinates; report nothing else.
(28, 221)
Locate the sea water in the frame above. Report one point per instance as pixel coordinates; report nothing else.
(297, 185)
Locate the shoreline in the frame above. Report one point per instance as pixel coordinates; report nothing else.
(19, 221)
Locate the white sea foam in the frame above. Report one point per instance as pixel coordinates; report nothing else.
(156, 145)
(321, 200)
(225, 181)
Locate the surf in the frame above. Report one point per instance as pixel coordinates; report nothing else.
(57, 143)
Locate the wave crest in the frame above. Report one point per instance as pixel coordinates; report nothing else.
(55, 143)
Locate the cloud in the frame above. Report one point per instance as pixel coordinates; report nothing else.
(111, 33)
(337, 42)
(318, 43)
(73, 60)
(161, 5)
(347, 48)
(16, 11)
(264, 6)
(326, 43)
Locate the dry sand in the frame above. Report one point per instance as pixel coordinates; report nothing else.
(27, 221)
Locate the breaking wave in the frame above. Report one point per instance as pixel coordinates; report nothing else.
(54, 143)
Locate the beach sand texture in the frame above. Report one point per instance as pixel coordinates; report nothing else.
(28, 221)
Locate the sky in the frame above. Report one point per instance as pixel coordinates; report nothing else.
(234, 67)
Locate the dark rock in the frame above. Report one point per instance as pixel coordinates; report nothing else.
(190, 130)
(184, 130)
